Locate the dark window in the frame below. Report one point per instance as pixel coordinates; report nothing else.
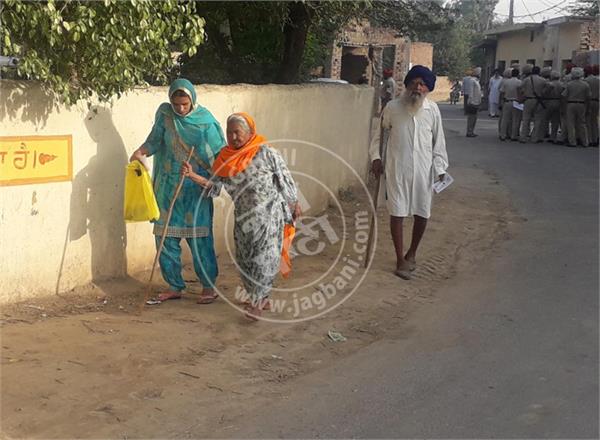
(513, 62)
(502, 65)
(531, 35)
(531, 61)
(547, 63)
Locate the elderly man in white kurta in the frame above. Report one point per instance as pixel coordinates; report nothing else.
(415, 157)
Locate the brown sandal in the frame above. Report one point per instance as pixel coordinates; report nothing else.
(166, 296)
(207, 299)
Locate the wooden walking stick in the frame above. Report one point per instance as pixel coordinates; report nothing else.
(375, 197)
(166, 226)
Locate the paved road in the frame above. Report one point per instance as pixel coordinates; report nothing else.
(513, 348)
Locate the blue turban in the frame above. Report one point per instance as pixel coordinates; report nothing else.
(422, 72)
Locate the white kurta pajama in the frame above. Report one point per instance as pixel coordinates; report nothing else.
(494, 95)
(415, 156)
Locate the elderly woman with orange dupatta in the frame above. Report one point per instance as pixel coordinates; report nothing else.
(266, 205)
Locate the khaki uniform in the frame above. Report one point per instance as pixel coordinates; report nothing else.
(510, 115)
(532, 88)
(564, 135)
(577, 93)
(500, 107)
(552, 96)
(592, 114)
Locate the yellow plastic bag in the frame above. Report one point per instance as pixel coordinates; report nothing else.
(139, 202)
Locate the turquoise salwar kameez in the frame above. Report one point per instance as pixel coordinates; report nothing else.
(169, 142)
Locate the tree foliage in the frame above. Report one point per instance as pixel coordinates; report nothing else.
(476, 15)
(453, 43)
(263, 42)
(589, 8)
(409, 18)
(79, 48)
(281, 41)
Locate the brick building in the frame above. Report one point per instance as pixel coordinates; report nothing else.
(554, 43)
(361, 49)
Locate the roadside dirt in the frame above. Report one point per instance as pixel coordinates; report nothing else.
(88, 365)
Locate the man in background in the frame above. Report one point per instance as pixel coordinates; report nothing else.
(552, 96)
(494, 94)
(467, 87)
(511, 116)
(592, 113)
(473, 102)
(532, 88)
(577, 94)
(388, 88)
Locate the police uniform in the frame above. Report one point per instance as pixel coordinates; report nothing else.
(510, 115)
(552, 96)
(532, 88)
(592, 113)
(577, 94)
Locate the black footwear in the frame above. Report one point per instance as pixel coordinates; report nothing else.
(472, 135)
(570, 146)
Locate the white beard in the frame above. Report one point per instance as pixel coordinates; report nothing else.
(412, 101)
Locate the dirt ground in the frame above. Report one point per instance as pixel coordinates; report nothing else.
(88, 365)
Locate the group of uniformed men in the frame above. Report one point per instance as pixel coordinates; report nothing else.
(562, 110)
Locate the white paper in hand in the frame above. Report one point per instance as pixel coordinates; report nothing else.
(441, 185)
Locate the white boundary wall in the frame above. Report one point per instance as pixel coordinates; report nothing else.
(56, 236)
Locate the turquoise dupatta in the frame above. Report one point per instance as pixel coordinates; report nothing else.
(169, 141)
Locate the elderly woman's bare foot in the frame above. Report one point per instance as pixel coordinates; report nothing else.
(252, 312)
(266, 305)
(254, 309)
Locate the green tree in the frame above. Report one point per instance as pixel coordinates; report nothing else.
(586, 8)
(78, 48)
(452, 51)
(244, 42)
(261, 42)
(477, 15)
(453, 43)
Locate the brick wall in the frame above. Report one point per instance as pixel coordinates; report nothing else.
(441, 92)
(590, 35)
(362, 34)
(421, 53)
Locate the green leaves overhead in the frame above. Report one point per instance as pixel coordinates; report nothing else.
(263, 41)
(76, 48)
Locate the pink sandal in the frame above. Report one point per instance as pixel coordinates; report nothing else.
(166, 296)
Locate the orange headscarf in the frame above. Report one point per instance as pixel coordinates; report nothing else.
(231, 160)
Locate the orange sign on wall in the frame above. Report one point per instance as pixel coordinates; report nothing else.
(35, 159)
